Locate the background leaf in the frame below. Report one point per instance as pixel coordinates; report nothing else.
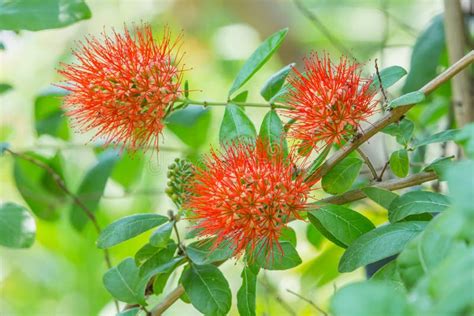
(440, 137)
(17, 226)
(49, 117)
(191, 125)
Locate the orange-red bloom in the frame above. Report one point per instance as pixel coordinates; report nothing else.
(245, 196)
(328, 101)
(122, 86)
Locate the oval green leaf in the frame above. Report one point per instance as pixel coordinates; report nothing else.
(236, 126)
(378, 244)
(275, 82)
(380, 196)
(17, 226)
(202, 252)
(399, 163)
(285, 259)
(341, 177)
(128, 227)
(402, 131)
(161, 236)
(440, 137)
(407, 99)
(272, 133)
(261, 55)
(125, 284)
(247, 294)
(389, 77)
(339, 224)
(207, 289)
(416, 202)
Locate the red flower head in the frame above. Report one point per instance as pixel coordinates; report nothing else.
(328, 101)
(124, 85)
(244, 196)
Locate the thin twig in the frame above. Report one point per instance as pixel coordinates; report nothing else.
(350, 196)
(385, 99)
(383, 170)
(60, 183)
(310, 302)
(368, 163)
(272, 291)
(323, 29)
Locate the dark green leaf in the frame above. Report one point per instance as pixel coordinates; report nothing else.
(161, 236)
(313, 235)
(191, 125)
(389, 77)
(17, 226)
(272, 133)
(207, 289)
(402, 131)
(287, 233)
(380, 196)
(92, 187)
(246, 296)
(5, 87)
(49, 117)
(399, 163)
(38, 187)
(426, 55)
(440, 137)
(202, 252)
(416, 202)
(125, 284)
(339, 224)
(275, 82)
(283, 259)
(378, 244)
(34, 15)
(341, 177)
(161, 262)
(407, 99)
(261, 55)
(318, 162)
(236, 126)
(128, 227)
(369, 298)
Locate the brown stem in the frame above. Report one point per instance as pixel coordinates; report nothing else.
(368, 163)
(60, 183)
(347, 197)
(393, 116)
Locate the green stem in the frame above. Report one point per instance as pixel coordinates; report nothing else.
(248, 104)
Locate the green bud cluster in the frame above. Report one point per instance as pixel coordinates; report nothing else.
(179, 174)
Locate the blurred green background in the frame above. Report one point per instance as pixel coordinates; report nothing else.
(61, 274)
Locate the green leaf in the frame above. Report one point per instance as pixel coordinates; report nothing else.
(283, 259)
(399, 163)
(439, 166)
(389, 77)
(128, 169)
(409, 264)
(241, 97)
(340, 178)
(402, 131)
(128, 227)
(17, 226)
(36, 15)
(416, 202)
(207, 289)
(407, 99)
(313, 235)
(369, 298)
(318, 162)
(161, 262)
(130, 312)
(440, 137)
(380, 196)
(202, 252)
(426, 55)
(275, 82)
(49, 117)
(261, 55)
(271, 131)
(125, 284)
(37, 186)
(92, 187)
(287, 233)
(460, 179)
(390, 274)
(339, 224)
(5, 87)
(378, 244)
(246, 296)
(191, 125)
(161, 236)
(236, 126)
(465, 138)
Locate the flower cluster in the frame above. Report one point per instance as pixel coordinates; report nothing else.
(246, 195)
(123, 86)
(327, 101)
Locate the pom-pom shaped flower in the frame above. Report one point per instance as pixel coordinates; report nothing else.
(243, 196)
(327, 101)
(123, 86)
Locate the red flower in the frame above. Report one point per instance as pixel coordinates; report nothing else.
(244, 196)
(124, 85)
(328, 101)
